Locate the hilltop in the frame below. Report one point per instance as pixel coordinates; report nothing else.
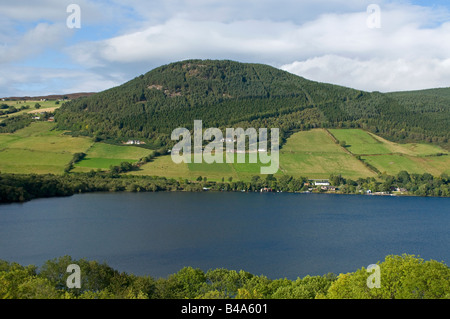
(226, 93)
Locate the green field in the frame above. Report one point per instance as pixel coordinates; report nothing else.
(102, 156)
(45, 106)
(38, 162)
(103, 150)
(31, 103)
(393, 164)
(311, 154)
(412, 149)
(89, 163)
(359, 142)
(39, 148)
(314, 154)
(391, 158)
(164, 166)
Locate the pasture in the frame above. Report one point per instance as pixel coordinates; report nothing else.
(102, 156)
(314, 154)
(391, 158)
(393, 164)
(359, 142)
(45, 106)
(310, 154)
(39, 148)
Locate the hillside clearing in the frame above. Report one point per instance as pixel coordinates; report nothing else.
(314, 154)
(102, 156)
(39, 148)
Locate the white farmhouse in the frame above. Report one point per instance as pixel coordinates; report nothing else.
(321, 182)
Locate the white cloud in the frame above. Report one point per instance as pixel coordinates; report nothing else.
(177, 38)
(34, 41)
(326, 40)
(55, 11)
(376, 74)
(157, 12)
(35, 81)
(404, 53)
(28, 27)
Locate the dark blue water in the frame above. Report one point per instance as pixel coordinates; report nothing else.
(277, 235)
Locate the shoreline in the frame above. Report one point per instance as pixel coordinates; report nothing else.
(221, 191)
(25, 187)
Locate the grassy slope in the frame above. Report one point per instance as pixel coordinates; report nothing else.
(50, 105)
(38, 149)
(164, 166)
(313, 154)
(102, 156)
(358, 142)
(391, 157)
(392, 164)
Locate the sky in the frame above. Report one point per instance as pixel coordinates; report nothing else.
(53, 47)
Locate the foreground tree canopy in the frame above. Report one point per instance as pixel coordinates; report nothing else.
(401, 277)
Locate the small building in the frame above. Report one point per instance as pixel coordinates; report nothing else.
(321, 182)
(134, 142)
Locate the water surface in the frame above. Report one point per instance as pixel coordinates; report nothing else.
(275, 234)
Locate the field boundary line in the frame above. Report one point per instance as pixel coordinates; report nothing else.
(335, 140)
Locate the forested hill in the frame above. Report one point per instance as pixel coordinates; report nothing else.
(231, 94)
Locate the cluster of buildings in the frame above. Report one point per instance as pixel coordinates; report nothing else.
(322, 184)
(134, 142)
(42, 115)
